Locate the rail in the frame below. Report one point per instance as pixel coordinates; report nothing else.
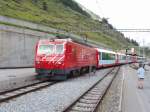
(10, 94)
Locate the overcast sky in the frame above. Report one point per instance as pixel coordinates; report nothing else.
(124, 14)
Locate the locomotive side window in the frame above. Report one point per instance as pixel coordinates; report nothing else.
(59, 49)
(46, 49)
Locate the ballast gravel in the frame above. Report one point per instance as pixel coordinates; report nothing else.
(112, 100)
(54, 98)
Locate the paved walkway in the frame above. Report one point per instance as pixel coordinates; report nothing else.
(14, 78)
(134, 99)
(8, 74)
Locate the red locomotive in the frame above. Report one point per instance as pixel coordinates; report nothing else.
(60, 58)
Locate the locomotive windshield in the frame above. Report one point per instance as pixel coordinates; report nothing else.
(46, 49)
(59, 48)
(51, 49)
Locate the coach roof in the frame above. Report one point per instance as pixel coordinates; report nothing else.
(106, 51)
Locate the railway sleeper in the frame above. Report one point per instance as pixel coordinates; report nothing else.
(96, 90)
(3, 97)
(19, 92)
(85, 109)
(11, 94)
(84, 105)
(94, 93)
(73, 111)
(90, 98)
(88, 101)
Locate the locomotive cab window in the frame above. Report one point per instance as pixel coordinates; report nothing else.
(46, 49)
(59, 49)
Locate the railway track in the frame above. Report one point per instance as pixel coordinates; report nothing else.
(90, 100)
(10, 94)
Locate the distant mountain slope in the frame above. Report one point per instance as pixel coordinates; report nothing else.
(66, 15)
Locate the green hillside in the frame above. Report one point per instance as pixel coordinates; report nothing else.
(65, 15)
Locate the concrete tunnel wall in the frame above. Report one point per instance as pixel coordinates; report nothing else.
(17, 46)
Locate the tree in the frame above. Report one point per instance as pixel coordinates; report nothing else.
(104, 20)
(34, 1)
(45, 6)
(18, 1)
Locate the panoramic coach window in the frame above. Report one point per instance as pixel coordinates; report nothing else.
(124, 57)
(46, 49)
(112, 56)
(105, 56)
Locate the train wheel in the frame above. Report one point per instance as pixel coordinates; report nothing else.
(75, 73)
(82, 71)
(78, 72)
(94, 70)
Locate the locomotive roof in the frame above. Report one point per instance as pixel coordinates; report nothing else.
(46, 41)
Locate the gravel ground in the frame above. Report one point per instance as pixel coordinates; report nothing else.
(54, 98)
(111, 102)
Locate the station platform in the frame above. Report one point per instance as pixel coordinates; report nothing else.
(14, 78)
(134, 99)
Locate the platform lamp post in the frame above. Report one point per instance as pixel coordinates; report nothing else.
(143, 49)
(139, 51)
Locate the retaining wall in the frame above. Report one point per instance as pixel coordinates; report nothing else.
(17, 46)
